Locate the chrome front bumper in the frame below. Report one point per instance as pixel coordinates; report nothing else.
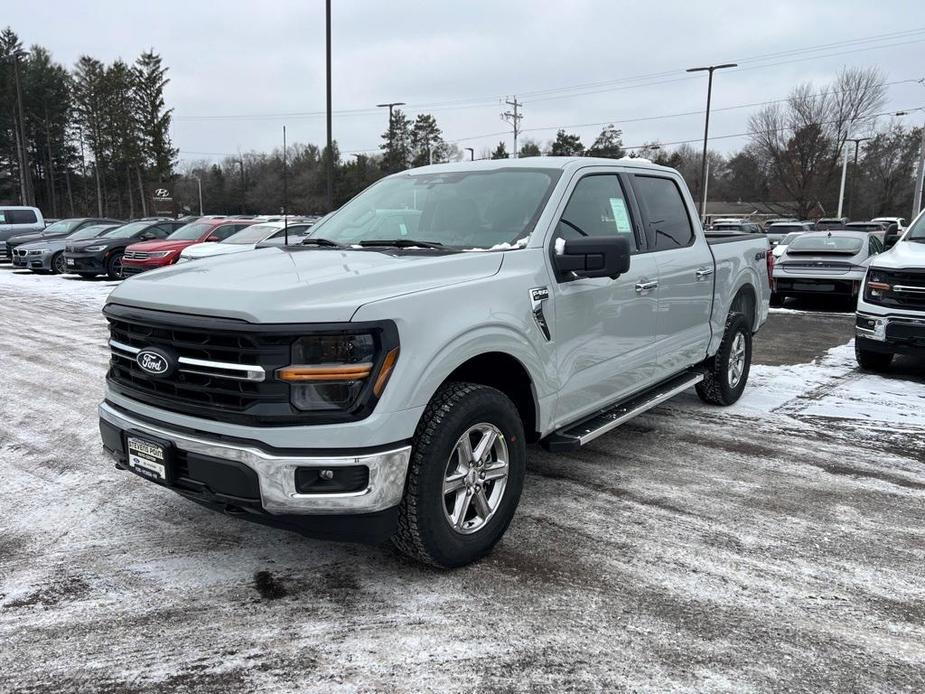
(876, 326)
(276, 473)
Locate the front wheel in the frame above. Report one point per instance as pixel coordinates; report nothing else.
(872, 361)
(465, 477)
(727, 371)
(114, 267)
(58, 264)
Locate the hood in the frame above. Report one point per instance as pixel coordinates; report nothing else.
(273, 285)
(83, 243)
(55, 244)
(205, 250)
(904, 255)
(159, 245)
(24, 238)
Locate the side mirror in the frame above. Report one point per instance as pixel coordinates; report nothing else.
(594, 256)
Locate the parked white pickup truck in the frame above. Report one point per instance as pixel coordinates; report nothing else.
(366, 386)
(891, 306)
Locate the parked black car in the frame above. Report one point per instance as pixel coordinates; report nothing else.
(59, 229)
(103, 255)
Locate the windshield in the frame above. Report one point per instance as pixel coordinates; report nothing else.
(917, 230)
(806, 243)
(190, 232)
(127, 230)
(253, 234)
(63, 226)
(788, 239)
(460, 209)
(89, 232)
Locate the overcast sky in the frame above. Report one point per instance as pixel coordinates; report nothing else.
(575, 64)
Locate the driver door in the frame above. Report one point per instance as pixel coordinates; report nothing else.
(604, 328)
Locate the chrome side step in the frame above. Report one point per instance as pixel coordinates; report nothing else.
(574, 436)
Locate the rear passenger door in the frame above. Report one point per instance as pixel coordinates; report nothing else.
(603, 329)
(685, 273)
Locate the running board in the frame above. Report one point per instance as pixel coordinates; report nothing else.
(574, 436)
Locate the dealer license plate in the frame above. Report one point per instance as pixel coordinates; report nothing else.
(147, 458)
(71, 262)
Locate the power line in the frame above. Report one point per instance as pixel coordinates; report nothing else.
(649, 79)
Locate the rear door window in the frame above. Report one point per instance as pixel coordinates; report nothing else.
(668, 224)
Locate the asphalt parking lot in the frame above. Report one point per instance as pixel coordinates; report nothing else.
(776, 545)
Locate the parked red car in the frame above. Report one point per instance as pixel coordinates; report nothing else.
(148, 255)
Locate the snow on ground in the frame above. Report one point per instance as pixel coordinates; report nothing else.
(774, 545)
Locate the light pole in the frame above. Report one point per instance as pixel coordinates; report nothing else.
(706, 128)
(391, 106)
(330, 162)
(854, 172)
(471, 152)
(920, 176)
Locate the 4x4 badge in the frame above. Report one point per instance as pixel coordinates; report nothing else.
(537, 296)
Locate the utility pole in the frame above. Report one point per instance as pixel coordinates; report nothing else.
(844, 173)
(706, 129)
(513, 117)
(920, 174)
(391, 106)
(854, 170)
(199, 184)
(330, 162)
(285, 194)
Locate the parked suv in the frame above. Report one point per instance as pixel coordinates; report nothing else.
(147, 255)
(891, 309)
(368, 387)
(103, 255)
(15, 221)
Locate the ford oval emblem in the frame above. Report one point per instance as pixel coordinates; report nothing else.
(154, 361)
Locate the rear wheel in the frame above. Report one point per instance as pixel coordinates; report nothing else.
(872, 361)
(727, 371)
(114, 267)
(466, 474)
(58, 264)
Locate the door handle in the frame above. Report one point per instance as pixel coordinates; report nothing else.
(703, 273)
(645, 287)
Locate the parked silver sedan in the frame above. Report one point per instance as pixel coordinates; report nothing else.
(47, 255)
(824, 263)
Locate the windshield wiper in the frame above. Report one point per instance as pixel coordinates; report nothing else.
(401, 243)
(316, 241)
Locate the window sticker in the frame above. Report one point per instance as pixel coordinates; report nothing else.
(620, 215)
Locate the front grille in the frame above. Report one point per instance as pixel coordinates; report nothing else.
(908, 288)
(136, 255)
(225, 368)
(208, 376)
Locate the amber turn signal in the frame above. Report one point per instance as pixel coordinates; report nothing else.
(879, 286)
(340, 372)
(388, 365)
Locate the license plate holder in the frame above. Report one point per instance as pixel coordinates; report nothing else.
(149, 456)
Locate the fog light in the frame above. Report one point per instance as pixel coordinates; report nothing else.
(338, 480)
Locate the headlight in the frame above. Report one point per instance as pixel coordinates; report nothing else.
(877, 286)
(333, 372)
(94, 249)
(38, 251)
(160, 254)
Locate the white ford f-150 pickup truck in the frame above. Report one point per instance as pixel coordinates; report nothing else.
(383, 379)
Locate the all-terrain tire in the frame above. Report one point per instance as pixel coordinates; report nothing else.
(424, 532)
(114, 267)
(878, 362)
(718, 388)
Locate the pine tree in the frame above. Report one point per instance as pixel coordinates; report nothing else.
(153, 115)
(500, 151)
(427, 143)
(530, 149)
(608, 144)
(566, 145)
(397, 149)
(89, 107)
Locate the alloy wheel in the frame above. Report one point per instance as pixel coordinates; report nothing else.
(475, 478)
